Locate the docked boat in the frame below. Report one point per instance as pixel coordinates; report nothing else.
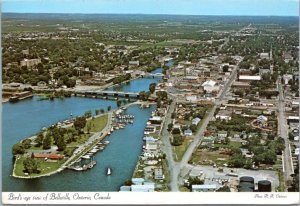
(108, 171)
(78, 168)
(106, 142)
(86, 157)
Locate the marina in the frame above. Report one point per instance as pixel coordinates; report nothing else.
(116, 153)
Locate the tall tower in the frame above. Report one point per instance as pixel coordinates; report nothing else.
(271, 53)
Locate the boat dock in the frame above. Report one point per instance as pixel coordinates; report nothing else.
(85, 167)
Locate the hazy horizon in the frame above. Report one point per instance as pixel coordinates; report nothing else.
(156, 7)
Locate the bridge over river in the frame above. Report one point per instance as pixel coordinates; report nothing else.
(96, 93)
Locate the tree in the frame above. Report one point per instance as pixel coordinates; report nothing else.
(26, 143)
(223, 189)
(236, 160)
(39, 139)
(79, 123)
(225, 68)
(108, 108)
(60, 143)
(152, 87)
(18, 149)
(88, 127)
(88, 114)
(176, 131)
(173, 115)
(193, 128)
(47, 142)
(30, 165)
(177, 140)
(119, 102)
(97, 111)
(102, 111)
(170, 126)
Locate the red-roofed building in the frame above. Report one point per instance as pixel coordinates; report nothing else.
(49, 156)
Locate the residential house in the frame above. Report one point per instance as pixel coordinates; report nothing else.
(158, 174)
(155, 120)
(196, 121)
(224, 115)
(262, 118)
(222, 134)
(188, 132)
(287, 78)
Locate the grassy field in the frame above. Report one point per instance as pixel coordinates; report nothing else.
(231, 144)
(179, 151)
(44, 167)
(97, 124)
(281, 187)
(208, 158)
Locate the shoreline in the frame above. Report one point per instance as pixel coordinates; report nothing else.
(75, 157)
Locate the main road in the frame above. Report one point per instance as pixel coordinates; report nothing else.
(283, 133)
(176, 167)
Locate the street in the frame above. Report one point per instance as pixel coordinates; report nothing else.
(283, 133)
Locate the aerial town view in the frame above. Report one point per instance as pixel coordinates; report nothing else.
(149, 102)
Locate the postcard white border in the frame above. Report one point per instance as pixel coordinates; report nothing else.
(108, 198)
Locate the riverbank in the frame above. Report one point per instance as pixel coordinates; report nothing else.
(60, 165)
(79, 151)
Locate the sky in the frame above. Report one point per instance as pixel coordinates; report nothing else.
(182, 7)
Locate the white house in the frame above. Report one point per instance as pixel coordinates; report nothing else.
(134, 63)
(158, 174)
(210, 86)
(143, 188)
(222, 134)
(297, 151)
(188, 132)
(287, 78)
(224, 115)
(262, 118)
(196, 121)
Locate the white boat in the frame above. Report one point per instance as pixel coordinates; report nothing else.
(78, 168)
(86, 157)
(106, 142)
(108, 171)
(94, 150)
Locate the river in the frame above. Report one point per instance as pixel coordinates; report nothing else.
(27, 117)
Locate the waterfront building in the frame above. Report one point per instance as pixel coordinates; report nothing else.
(143, 188)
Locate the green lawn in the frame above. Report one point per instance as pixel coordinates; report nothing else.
(97, 124)
(231, 144)
(281, 187)
(178, 151)
(45, 167)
